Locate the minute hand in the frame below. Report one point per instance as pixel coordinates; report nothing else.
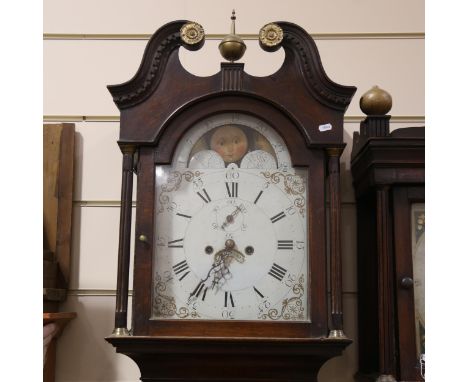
(192, 294)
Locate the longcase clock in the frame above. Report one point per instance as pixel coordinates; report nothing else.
(230, 263)
(388, 173)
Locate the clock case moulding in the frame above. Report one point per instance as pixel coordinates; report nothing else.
(158, 106)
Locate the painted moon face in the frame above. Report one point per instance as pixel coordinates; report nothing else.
(230, 142)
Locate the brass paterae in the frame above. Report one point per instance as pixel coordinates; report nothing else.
(192, 33)
(271, 35)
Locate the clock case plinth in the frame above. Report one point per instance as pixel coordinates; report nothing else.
(158, 106)
(228, 359)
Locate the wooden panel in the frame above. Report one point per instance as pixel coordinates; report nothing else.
(51, 149)
(57, 193)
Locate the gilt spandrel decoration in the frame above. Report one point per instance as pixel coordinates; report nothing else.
(293, 184)
(290, 308)
(173, 183)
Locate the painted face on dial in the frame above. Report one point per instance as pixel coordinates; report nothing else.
(230, 142)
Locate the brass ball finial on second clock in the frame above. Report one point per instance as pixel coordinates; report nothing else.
(376, 101)
(232, 48)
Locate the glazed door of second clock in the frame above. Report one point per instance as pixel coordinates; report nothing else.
(409, 223)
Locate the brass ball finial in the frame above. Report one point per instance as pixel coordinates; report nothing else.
(232, 48)
(376, 101)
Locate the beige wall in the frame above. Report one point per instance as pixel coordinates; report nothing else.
(89, 44)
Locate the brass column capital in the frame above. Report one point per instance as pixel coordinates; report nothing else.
(334, 151)
(127, 148)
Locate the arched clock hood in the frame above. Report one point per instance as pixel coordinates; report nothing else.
(317, 100)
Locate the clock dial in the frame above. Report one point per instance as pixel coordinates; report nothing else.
(231, 242)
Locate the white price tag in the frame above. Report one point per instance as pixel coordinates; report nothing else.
(325, 127)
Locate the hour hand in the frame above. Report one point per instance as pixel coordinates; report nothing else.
(228, 253)
(226, 256)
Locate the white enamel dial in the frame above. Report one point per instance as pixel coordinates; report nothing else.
(231, 242)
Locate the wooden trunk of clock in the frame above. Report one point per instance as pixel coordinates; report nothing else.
(388, 172)
(160, 107)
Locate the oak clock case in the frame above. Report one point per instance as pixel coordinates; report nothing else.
(232, 173)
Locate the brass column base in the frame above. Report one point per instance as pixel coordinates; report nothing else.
(120, 332)
(336, 334)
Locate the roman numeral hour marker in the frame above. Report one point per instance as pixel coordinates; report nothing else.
(231, 300)
(201, 287)
(277, 217)
(181, 268)
(184, 216)
(277, 272)
(172, 244)
(258, 197)
(285, 244)
(232, 189)
(206, 198)
(258, 292)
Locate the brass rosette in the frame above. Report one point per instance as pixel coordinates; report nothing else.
(192, 35)
(270, 37)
